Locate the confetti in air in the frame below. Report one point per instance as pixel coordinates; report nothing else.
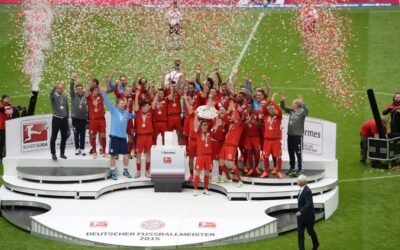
(91, 37)
(37, 37)
(326, 33)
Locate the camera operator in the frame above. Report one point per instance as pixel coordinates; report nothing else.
(394, 110)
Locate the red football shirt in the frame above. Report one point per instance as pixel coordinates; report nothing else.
(204, 144)
(144, 123)
(234, 131)
(223, 100)
(173, 106)
(220, 133)
(160, 111)
(252, 130)
(213, 103)
(95, 107)
(241, 107)
(143, 95)
(196, 101)
(272, 125)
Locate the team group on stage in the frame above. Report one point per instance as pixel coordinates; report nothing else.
(248, 122)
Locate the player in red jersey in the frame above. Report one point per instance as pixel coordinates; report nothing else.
(212, 98)
(223, 95)
(159, 107)
(128, 96)
(219, 130)
(241, 106)
(224, 90)
(204, 159)
(252, 143)
(192, 143)
(228, 152)
(174, 109)
(272, 137)
(97, 122)
(144, 133)
(192, 101)
(195, 99)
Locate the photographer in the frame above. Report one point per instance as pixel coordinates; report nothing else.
(7, 111)
(394, 110)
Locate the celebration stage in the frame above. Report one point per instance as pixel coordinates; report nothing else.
(74, 200)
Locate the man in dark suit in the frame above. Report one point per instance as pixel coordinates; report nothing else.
(305, 214)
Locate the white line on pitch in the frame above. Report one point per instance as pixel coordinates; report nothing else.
(384, 11)
(286, 88)
(371, 178)
(302, 88)
(247, 44)
(19, 96)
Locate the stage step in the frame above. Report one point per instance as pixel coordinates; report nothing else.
(92, 190)
(63, 174)
(312, 176)
(287, 219)
(19, 213)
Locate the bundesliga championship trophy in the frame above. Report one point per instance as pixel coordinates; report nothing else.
(206, 112)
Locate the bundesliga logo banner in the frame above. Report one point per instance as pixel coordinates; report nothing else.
(35, 135)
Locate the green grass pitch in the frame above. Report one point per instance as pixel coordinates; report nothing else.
(368, 216)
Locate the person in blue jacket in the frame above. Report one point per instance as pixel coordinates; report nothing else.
(118, 142)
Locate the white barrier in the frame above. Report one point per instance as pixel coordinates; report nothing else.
(30, 134)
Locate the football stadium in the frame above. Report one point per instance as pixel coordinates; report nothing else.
(221, 124)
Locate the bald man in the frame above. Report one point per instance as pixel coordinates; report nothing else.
(297, 115)
(59, 105)
(305, 213)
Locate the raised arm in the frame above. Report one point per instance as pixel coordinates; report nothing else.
(116, 92)
(267, 86)
(196, 123)
(136, 107)
(247, 85)
(283, 106)
(136, 80)
(219, 78)
(53, 91)
(72, 86)
(155, 100)
(204, 94)
(109, 79)
(106, 100)
(197, 73)
(188, 105)
(152, 89)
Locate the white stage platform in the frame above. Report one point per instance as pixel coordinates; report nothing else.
(74, 200)
(174, 219)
